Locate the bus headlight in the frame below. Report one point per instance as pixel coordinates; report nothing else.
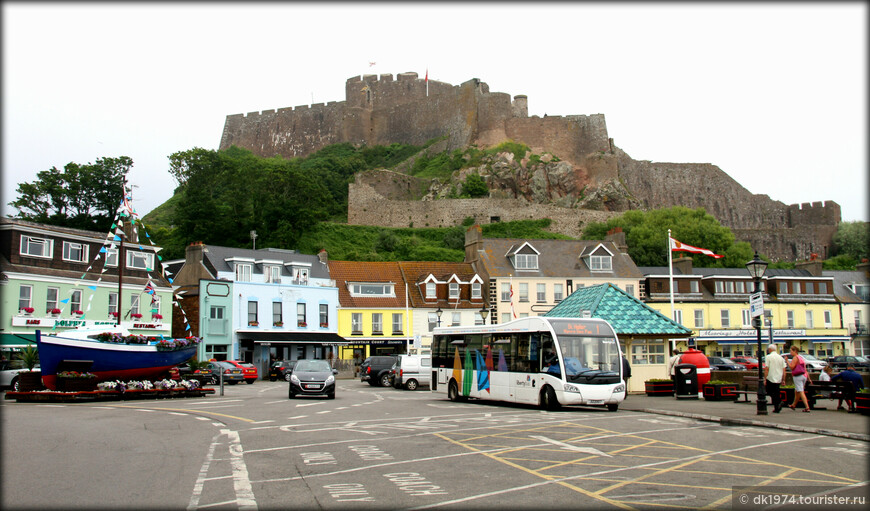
(570, 388)
(619, 388)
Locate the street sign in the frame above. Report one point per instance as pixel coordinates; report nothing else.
(756, 306)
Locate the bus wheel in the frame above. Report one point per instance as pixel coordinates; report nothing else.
(612, 407)
(548, 399)
(453, 391)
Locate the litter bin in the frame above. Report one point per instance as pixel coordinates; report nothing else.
(686, 381)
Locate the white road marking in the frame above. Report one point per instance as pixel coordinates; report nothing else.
(200, 480)
(563, 445)
(262, 422)
(241, 482)
(309, 404)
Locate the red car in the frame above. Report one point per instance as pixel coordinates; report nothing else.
(749, 362)
(249, 370)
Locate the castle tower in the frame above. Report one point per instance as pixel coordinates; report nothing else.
(521, 105)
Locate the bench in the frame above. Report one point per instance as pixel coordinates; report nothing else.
(750, 387)
(831, 389)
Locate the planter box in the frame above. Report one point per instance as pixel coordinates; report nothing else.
(75, 384)
(659, 388)
(862, 403)
(720, 391)
(30, 381)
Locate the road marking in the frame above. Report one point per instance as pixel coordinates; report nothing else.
(262, 422)
(298, 417)
(203, 470)
(241, 482)
(324, 411)
(273, 402)
(309, 404)
(563, 445)
(188, 410)
(177, 413)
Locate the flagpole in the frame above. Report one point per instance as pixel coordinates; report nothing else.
(671, 284)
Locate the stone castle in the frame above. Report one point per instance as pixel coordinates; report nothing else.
(379, 110)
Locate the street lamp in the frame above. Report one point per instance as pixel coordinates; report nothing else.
(438, 313)
(484, 312)
(756, 269)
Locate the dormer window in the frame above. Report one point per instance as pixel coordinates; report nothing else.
(430, 291)
(243, 272)
(372, 290)
(36, 247)
(140, 260)
(524, 257)
(454, 291)
(75, 252)
(600, 263)
(476, 291)
(272, 274)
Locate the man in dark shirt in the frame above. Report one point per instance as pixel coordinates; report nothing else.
(851, 376)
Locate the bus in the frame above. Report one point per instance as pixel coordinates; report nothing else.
(542, 361)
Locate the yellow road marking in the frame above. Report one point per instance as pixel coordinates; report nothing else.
(186, 410)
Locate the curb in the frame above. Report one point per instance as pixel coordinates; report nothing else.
(757, 423)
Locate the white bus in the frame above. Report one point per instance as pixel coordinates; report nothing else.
(544, 361)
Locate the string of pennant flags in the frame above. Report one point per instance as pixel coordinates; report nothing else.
(125, 213)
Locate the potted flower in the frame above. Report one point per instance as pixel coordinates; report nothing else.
(156, 316)
(302, 324)
(29, 380)
(719, 390)
(324, 325)
(253, 323)
(27, 311)
(659, 387)
(862, 401)
(136, 315)
(54, 312)
(76, 381)
(114, 314)
(278, 323)
(78, 313)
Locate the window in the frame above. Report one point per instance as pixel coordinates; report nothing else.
(36, 247)
(75, 301)
(729, 287)
(858, 321)
(430, 291)
(796, 288)
(377, 323)
(371, 290)
(140, 260)
(216, 312)
(789, 319)
(720, 286)
(524, 291)
(113, 303)
(629, 289)
(744, 315)
(810, 319)
(505, 291)
(827, 319)
(75, 252)
(252, 312)
(456, 319)
(324, 315)
(51, 295)
(699, 318)
(243, 272)
(693, 286)
(823, 288)
(397, 323)
(783, 287)
(300, 315)
(300, 276)
(725, 318)
(526, 261)
(505, 317)
(356, 323)
(678, 316)
(134, 304)
(476, 291)
(111, 257)
(558, 294)
(823, 350)
(541, 293)
(433, 320)
(272, 274)
(25, 296)
(811, 288)
(600, 263)
(651, 351)
(453, 288)
(738, 287)
(277, 316)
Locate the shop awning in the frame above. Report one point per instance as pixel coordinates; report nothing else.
(293, 338)
(12, 340)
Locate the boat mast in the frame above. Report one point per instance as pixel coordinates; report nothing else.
(121, 260)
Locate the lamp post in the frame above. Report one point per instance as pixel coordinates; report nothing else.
(756, 268)
(438, 313)
(483, 313)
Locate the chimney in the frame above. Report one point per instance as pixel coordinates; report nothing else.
(617, 236)
(684, 264)
(193, 253)
(864, 266)
(323, 255)
(814, 266)
(473, 243)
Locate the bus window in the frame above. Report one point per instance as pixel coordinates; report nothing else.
(521, 363)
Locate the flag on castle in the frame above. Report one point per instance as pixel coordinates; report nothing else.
(682, 247)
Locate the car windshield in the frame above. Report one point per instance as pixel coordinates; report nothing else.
(312, 366)
(861, 359)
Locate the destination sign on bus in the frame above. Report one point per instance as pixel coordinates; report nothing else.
(580, 328)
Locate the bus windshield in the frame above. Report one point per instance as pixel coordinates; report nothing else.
(590, 359)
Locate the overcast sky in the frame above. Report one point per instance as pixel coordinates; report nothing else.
(774, 95)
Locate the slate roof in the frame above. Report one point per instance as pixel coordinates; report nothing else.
(843, 277)
(344, 272)
(216, 257)
(415, 272)
(627, 314)
(557, 259)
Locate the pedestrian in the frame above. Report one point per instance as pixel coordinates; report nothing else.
(774, 368)
(800, 377)
(851, 376)
(626, 373)
(672, 364)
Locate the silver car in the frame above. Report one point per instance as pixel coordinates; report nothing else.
(9, 370)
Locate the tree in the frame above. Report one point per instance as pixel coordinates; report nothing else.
(646, 234)
(81, 196)
(853, 239)
(475, 186)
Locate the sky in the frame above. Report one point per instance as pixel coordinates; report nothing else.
(773, 94)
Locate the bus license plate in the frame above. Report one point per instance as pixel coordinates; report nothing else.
(596, 401)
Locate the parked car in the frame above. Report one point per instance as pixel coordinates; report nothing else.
(724, 364)
(376, 370)
(812, 363)
(249, 370)
(231, 373)
(281, 370)
(411, 371)
(843, 361)
(312, 378)
(751, 363)
(9, 370)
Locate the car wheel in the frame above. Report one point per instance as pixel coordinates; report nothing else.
(548, 399)
(291, 395)
(287, 377)
(385, 380)
(249, 381)
(15, 384)
(612, 407)
(411, 385)
(213, 379)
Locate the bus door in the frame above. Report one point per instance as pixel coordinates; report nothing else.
(524, 367)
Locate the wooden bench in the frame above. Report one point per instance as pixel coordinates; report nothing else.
(831, 389)
(750, 387)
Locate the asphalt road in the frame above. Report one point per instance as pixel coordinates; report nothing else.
(382, 448)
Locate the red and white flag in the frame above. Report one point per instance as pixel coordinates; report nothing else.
(682, 247)
(513, 312)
